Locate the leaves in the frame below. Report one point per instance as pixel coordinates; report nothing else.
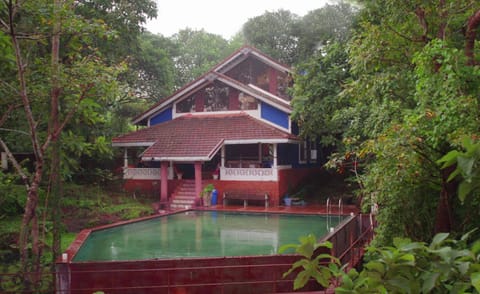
(413, 267)
(311, 265)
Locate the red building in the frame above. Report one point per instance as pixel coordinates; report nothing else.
(231, 127)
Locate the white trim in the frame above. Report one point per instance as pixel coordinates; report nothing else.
(141, 174)
(169, 100)
(176, 159)
(256, 141)
(132, 144)
(253, 113)
(247, 89)
(268, 94)
(249, 174)
(271, 62)
(245, 52)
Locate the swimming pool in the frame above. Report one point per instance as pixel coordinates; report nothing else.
(201, 251)
(193, 234)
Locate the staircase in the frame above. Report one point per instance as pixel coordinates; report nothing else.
(184, 195)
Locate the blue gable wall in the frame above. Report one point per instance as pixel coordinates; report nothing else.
(274, 115)
(163, 116)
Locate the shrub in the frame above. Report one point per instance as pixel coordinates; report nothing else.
(443, 266)
(12, 196)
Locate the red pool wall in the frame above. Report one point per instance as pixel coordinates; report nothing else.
(213, 275)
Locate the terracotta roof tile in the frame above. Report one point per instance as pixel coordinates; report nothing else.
(200, 136)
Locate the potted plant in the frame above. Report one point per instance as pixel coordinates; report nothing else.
(206, 194)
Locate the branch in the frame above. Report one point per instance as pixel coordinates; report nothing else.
(15, 163)
(56, 132)
(420, 13)
(5, 115)
(470, 34)
(443, 17)
(23, 88)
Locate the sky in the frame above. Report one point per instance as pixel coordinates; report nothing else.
(222, 17)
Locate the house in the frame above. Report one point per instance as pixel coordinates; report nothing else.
(230, 127)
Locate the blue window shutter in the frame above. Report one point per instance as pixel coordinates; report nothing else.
(161, 117)
(274, 115)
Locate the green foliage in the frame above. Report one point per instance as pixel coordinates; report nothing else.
(316, 103)
(412, 97)
(275, 33)
(443, 266)
(197, 52)
(12, 196)
(467, 166)
(312, 265)
(333, 23)
(207, 190)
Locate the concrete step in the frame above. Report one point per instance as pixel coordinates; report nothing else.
(183, 202)
(184, 197)
(179, 206)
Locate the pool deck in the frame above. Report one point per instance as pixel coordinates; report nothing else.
(296, 209)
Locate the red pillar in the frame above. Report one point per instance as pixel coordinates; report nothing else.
(198, 180)
(164, 181)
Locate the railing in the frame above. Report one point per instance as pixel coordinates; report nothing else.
(141, 174)
(248, 174)
(350, 239)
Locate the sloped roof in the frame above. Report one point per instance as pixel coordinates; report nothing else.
(215, 73)
(199, 137)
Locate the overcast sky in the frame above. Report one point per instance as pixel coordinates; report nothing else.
(222, 17)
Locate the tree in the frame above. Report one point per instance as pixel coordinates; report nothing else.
(54, 83)
(326, 25)
(154, 67)
(197, 52)
(318, 83)
(275, 33)
(414, 96)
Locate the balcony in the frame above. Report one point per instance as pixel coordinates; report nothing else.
(141, 174)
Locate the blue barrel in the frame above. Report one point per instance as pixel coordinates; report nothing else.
(214, 196)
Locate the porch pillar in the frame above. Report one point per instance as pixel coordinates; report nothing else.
(223, 156)
(275, 162)
(260, 153)
(164, 181)
(198, 180)
(125, 157)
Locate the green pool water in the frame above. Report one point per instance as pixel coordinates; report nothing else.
(202, 234)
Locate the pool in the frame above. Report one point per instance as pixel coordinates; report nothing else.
(193, 234)
(201, 251)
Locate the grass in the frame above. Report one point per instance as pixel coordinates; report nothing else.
(82, 206)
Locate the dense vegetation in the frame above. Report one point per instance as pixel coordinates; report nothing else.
(392, 87)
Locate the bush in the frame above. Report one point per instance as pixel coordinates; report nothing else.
(443, 266)
(12, 196)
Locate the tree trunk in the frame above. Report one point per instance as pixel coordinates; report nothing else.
(470, 34)
(55, 130)
(444, 218)
(28, 226)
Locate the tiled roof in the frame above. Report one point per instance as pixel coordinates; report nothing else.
(198, 137)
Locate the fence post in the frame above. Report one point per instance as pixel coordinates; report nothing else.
(62, 278)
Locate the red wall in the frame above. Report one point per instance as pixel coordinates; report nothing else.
(243, 274)
(291, 178)
(276, 190)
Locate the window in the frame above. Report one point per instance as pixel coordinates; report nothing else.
(308, 152)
